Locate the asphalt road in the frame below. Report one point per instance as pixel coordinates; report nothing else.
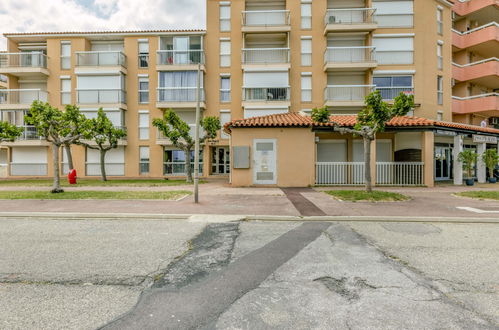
(146, 274)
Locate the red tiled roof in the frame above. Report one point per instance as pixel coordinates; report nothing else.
(302, 120)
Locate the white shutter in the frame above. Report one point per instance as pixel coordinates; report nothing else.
(332, 151)
(65, 85)
(393, 44)
(31, 155)
(393, 7)
(144, 152)
(143, 47)
(107, 47)
(266, 79)
(248, 113)
(99, 82)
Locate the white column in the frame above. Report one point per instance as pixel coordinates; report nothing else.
(458, 166)
(480, 168)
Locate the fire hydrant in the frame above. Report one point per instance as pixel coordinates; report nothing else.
(72, 176)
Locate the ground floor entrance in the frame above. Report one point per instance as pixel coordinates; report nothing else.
(443, 163)
(220, 160)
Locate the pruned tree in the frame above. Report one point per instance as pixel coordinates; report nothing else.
(178, 132)
(57, 127)
(371, 120)
(9, 132)
(104, 136)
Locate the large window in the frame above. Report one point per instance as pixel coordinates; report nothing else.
(143, 53)
(306, 51)
(392, 86)
(440, 58)
(306, 14)
(143, 90)
(224, 53)
(391, 14)
(440, 90)
(65, 55)
(178, 86)
(143, 125)
(394, 50)
(306, 87)
(174, 162)
(224, 17)
(225, 89)
(65, 91)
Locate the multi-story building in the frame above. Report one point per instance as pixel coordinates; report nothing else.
(475, 67)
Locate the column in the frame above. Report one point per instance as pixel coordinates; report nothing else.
(481, 170)
(457, 165)
(427, 156)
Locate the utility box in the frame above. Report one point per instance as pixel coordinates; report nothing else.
(241, 157)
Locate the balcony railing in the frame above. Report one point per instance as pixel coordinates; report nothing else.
(265, 55)
(23, 60)
(266, 94)
(264, 18)
(29, 133)
(394, 57)
(180, 57)
(22, 96)
(349, 16)
(389, 93)
(179, 94)
(28, 169)
(100, 58)
(475, 103)
(97, 96)
(178, 168)
(347, 92)
(349, 54)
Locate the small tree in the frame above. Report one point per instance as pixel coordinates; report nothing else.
(178, 132)
(9, 132)
(371, 120)
(469, 158)
(105, 136)
(54, 126)
(490, 159)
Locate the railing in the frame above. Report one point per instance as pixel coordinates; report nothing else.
(400, 174)
(269, 94)
(347, 92)
(394, 56)
(394, 20)
(97, 96)
(265, 18)
(22, 96)
(112, 169)
(339, 173)
(28, 169)
(29, 133)
(100, 58)
(180, 57)
(178, 168)
(476, 29)
(475, 96)
(349, 54)
(23, 60)
(389, 93)
(491, 59)
(265, 55)
(178, 94)
(349, 16)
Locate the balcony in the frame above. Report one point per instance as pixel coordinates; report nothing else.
(180, 59)
(390, 93)
(29, 137)
(346, 95)
(266, 56)
(179, 97)
(88, 61)
(161, 139)
(12, 99)
(348, 58)
(24, 64)
(99, 97)
(485, 104)
(474, 7)
(266, 21)
(483, 39)
(349, 19)
(274, 95)
(485, 72)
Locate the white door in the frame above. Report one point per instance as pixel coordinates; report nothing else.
(264, 161)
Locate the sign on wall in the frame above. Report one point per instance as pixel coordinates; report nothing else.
(484, 139)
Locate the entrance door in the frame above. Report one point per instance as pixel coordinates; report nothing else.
(264, 158)
(443, 163)
(220, 160)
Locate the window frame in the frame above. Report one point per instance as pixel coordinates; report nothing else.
(142, 92)
(224, 91)
(143, 54)
(144, 130)
(65, 59)
(306, 57)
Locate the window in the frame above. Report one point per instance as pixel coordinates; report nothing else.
(394, 50)
(143, 90)
(440, 90)
(65, 90)
(440, 115)
(392, 86)
(266, 86)
(440, 23)
(225, 89)
(143, 125)
(306, 15)
(143, 53)
(178, 86)
(224, 53)
(440, 58)
(224, 17)
(306, 51)
(390, 14)
(174, 162)
(224, 118)
(65, 55)
(143, 160)
(306, 87)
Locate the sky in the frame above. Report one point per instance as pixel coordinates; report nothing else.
(98, 15)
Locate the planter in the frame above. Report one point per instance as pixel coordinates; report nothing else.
(492, 180)
(470, 182)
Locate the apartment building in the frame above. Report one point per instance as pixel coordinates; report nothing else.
(475, 67)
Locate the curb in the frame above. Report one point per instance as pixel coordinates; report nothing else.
(228, 217)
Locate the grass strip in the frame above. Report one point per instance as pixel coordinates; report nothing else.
(159, 195)
(480, 194)
(362, 196)
(94, 183)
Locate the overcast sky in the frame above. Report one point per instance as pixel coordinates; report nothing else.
(98, 15)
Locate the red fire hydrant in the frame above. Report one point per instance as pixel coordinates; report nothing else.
(72, 176)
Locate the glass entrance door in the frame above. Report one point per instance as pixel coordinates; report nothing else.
(220, 160)
(443, 163)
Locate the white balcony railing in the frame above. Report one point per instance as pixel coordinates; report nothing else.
(349, 16)
(22, 96)
(23, 60)
(347, 92)
(100, 58)
(178, 168)
(178, 94)
(265, 18)
(28, 169)
(349, 54)
(394, 57)
(389, 93)
(266, 94)
(265, 55)
(180, 57)
(29, 133)
(98, 96)
(475, 96)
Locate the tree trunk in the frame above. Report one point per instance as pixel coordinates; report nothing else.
(56, 187)
(69, 156)
(367, 164)
(188, 171)
(103, 165)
